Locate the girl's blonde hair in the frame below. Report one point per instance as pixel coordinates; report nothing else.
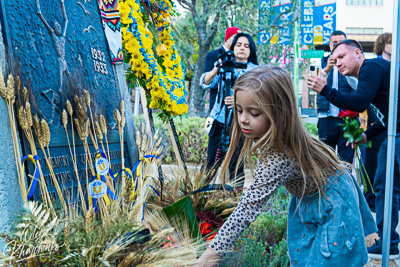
(272, 89)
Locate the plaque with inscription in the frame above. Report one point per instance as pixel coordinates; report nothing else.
(57, 41)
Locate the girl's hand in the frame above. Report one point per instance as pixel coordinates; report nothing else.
(208, 259)
(229, 101)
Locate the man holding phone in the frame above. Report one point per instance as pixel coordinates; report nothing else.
(329, 130)
(373, 89)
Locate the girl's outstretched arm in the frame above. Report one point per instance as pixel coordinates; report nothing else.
(276, 169)
(208, 259)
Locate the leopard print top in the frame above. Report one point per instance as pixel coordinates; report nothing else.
(277, 169)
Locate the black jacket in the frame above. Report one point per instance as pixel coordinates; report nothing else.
(373, 87)
(211, 58)
(343, 86)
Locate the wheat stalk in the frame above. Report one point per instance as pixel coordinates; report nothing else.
(45, 132)
(176, 188)
(24, 91)
(69, 108)
(103, 126)
(22, 119)
(3, 88)
(117, 116)
(98, 131)
(67, 234)
(90, 217)
(73, 157)
(228, 211)
(38, 131)
(28, 113)
(138, 139)
(64, 119)
(87, 97)
(46, 141)
(10, 89)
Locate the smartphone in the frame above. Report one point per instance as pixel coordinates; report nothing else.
(315, 70)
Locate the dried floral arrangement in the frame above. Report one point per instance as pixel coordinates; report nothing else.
(125, 231)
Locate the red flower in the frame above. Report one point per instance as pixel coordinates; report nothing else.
(211, 237)
(204, 228)
(352, 114)
(169, 243)
(348, 113)
(343, 114)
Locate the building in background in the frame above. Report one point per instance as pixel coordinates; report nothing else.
(362, 20)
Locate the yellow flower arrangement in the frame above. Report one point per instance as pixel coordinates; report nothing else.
(166, 88)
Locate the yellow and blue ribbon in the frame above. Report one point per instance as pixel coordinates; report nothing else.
(136, 168)
(35, 178)
(100, 153)
(109, 192)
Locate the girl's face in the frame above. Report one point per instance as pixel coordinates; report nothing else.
(242, 49)
(251, 120)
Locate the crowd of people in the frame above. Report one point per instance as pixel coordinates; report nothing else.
(329, 216)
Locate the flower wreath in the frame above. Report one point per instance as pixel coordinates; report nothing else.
(165, 85)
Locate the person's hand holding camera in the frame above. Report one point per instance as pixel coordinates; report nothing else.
(316, 83)
(329, 66)
(211, 75)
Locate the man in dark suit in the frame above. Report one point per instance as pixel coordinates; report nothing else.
(212, 57)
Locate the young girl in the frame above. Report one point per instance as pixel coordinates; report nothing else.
(328, 215)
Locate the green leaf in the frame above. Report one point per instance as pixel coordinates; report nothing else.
(368, 144)
(355, 123)
(347, 135)
(351, 139)
(183, 210)
(358, 137)
(360, 130)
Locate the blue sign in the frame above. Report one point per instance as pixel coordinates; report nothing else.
(280, 36)
(318, 21)
(61, 46)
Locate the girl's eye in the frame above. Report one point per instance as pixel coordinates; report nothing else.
(255, 115)
(239, 111)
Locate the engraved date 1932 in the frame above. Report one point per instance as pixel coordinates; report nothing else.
(99, 60)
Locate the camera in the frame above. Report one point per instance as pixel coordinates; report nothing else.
(228, 61)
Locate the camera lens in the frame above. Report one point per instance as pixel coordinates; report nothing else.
(312, 68)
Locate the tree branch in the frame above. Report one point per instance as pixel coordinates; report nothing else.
(214, 29)
(287, 23)
(188, 6)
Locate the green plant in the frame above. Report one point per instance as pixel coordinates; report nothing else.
(193, 140)
(264, 242)
(311, 128)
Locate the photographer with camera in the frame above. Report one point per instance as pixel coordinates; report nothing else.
(212, 57)
(230, 66)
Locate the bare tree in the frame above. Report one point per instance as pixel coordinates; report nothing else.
(207, 16)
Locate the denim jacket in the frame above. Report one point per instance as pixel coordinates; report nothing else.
(218, 111)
